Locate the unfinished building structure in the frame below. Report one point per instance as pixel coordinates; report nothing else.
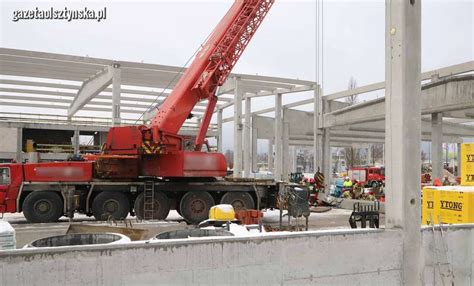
(399, 254)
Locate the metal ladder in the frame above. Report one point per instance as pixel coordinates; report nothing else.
(148, 200)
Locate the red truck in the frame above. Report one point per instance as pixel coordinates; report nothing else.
(146, 170)
(46, 191)
(370, 176)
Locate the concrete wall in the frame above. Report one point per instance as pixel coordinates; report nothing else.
(454, 251)
(344, 257)
(294, 259)
(8, 139)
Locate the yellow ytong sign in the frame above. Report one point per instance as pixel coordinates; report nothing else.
(467, 164)
(448, 204)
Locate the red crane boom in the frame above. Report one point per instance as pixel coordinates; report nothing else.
(157, 148)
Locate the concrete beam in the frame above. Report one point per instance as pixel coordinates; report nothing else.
(90, 88)
(450, 94)
(403, 131)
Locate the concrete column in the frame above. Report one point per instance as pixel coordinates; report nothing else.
(286, 158)
(369, 155)
(294, 158)
(326, 149)
(75, 141)
(219, 130)
(278, 137)
(237, 130)
(403, 131)
(19, 145)
(326, 166)
(437, 144)
(247, 138)
(270, 155)
(116, 90)
(317, 150)
(254, 149)
(458, 157)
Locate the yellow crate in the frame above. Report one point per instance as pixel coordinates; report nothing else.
(450, 204)
(467, 164)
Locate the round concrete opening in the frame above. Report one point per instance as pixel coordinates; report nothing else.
(80, 239)
(186, 233)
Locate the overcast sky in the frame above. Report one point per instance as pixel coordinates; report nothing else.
(168, 32)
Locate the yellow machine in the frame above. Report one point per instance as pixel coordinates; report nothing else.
(222, 213)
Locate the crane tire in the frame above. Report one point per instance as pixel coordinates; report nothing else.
(239, 200)
(110, 205)
(161, 206)
(43, 206)
(194, 206)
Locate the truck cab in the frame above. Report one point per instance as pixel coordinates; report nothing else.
(11, 178)
(370, 176)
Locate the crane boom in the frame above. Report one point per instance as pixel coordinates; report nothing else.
(212, 64)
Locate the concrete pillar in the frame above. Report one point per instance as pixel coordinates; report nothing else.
(75, 141)
(278, 137)
(326, 150)
(247, 138)
(237, 130)
(317, 140)
(270, 155)
(286, 158)
(219, 130)
(403, 131)
(19, 145)
(458, 157)
(437, 144)
(369, 155)
(254, 132)
(326, 166)
(293, 160)
(116, 90)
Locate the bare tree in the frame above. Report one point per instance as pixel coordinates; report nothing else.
(351, 155)
(352, 84)
(377, 152)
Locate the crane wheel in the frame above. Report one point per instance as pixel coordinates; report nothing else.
(42, 206)
(239, 200)
(194, 206)
(161, 206)
(110, 205)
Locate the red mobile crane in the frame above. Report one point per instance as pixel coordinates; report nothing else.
(144, 169)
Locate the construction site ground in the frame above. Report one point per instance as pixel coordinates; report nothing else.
(335, 218)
